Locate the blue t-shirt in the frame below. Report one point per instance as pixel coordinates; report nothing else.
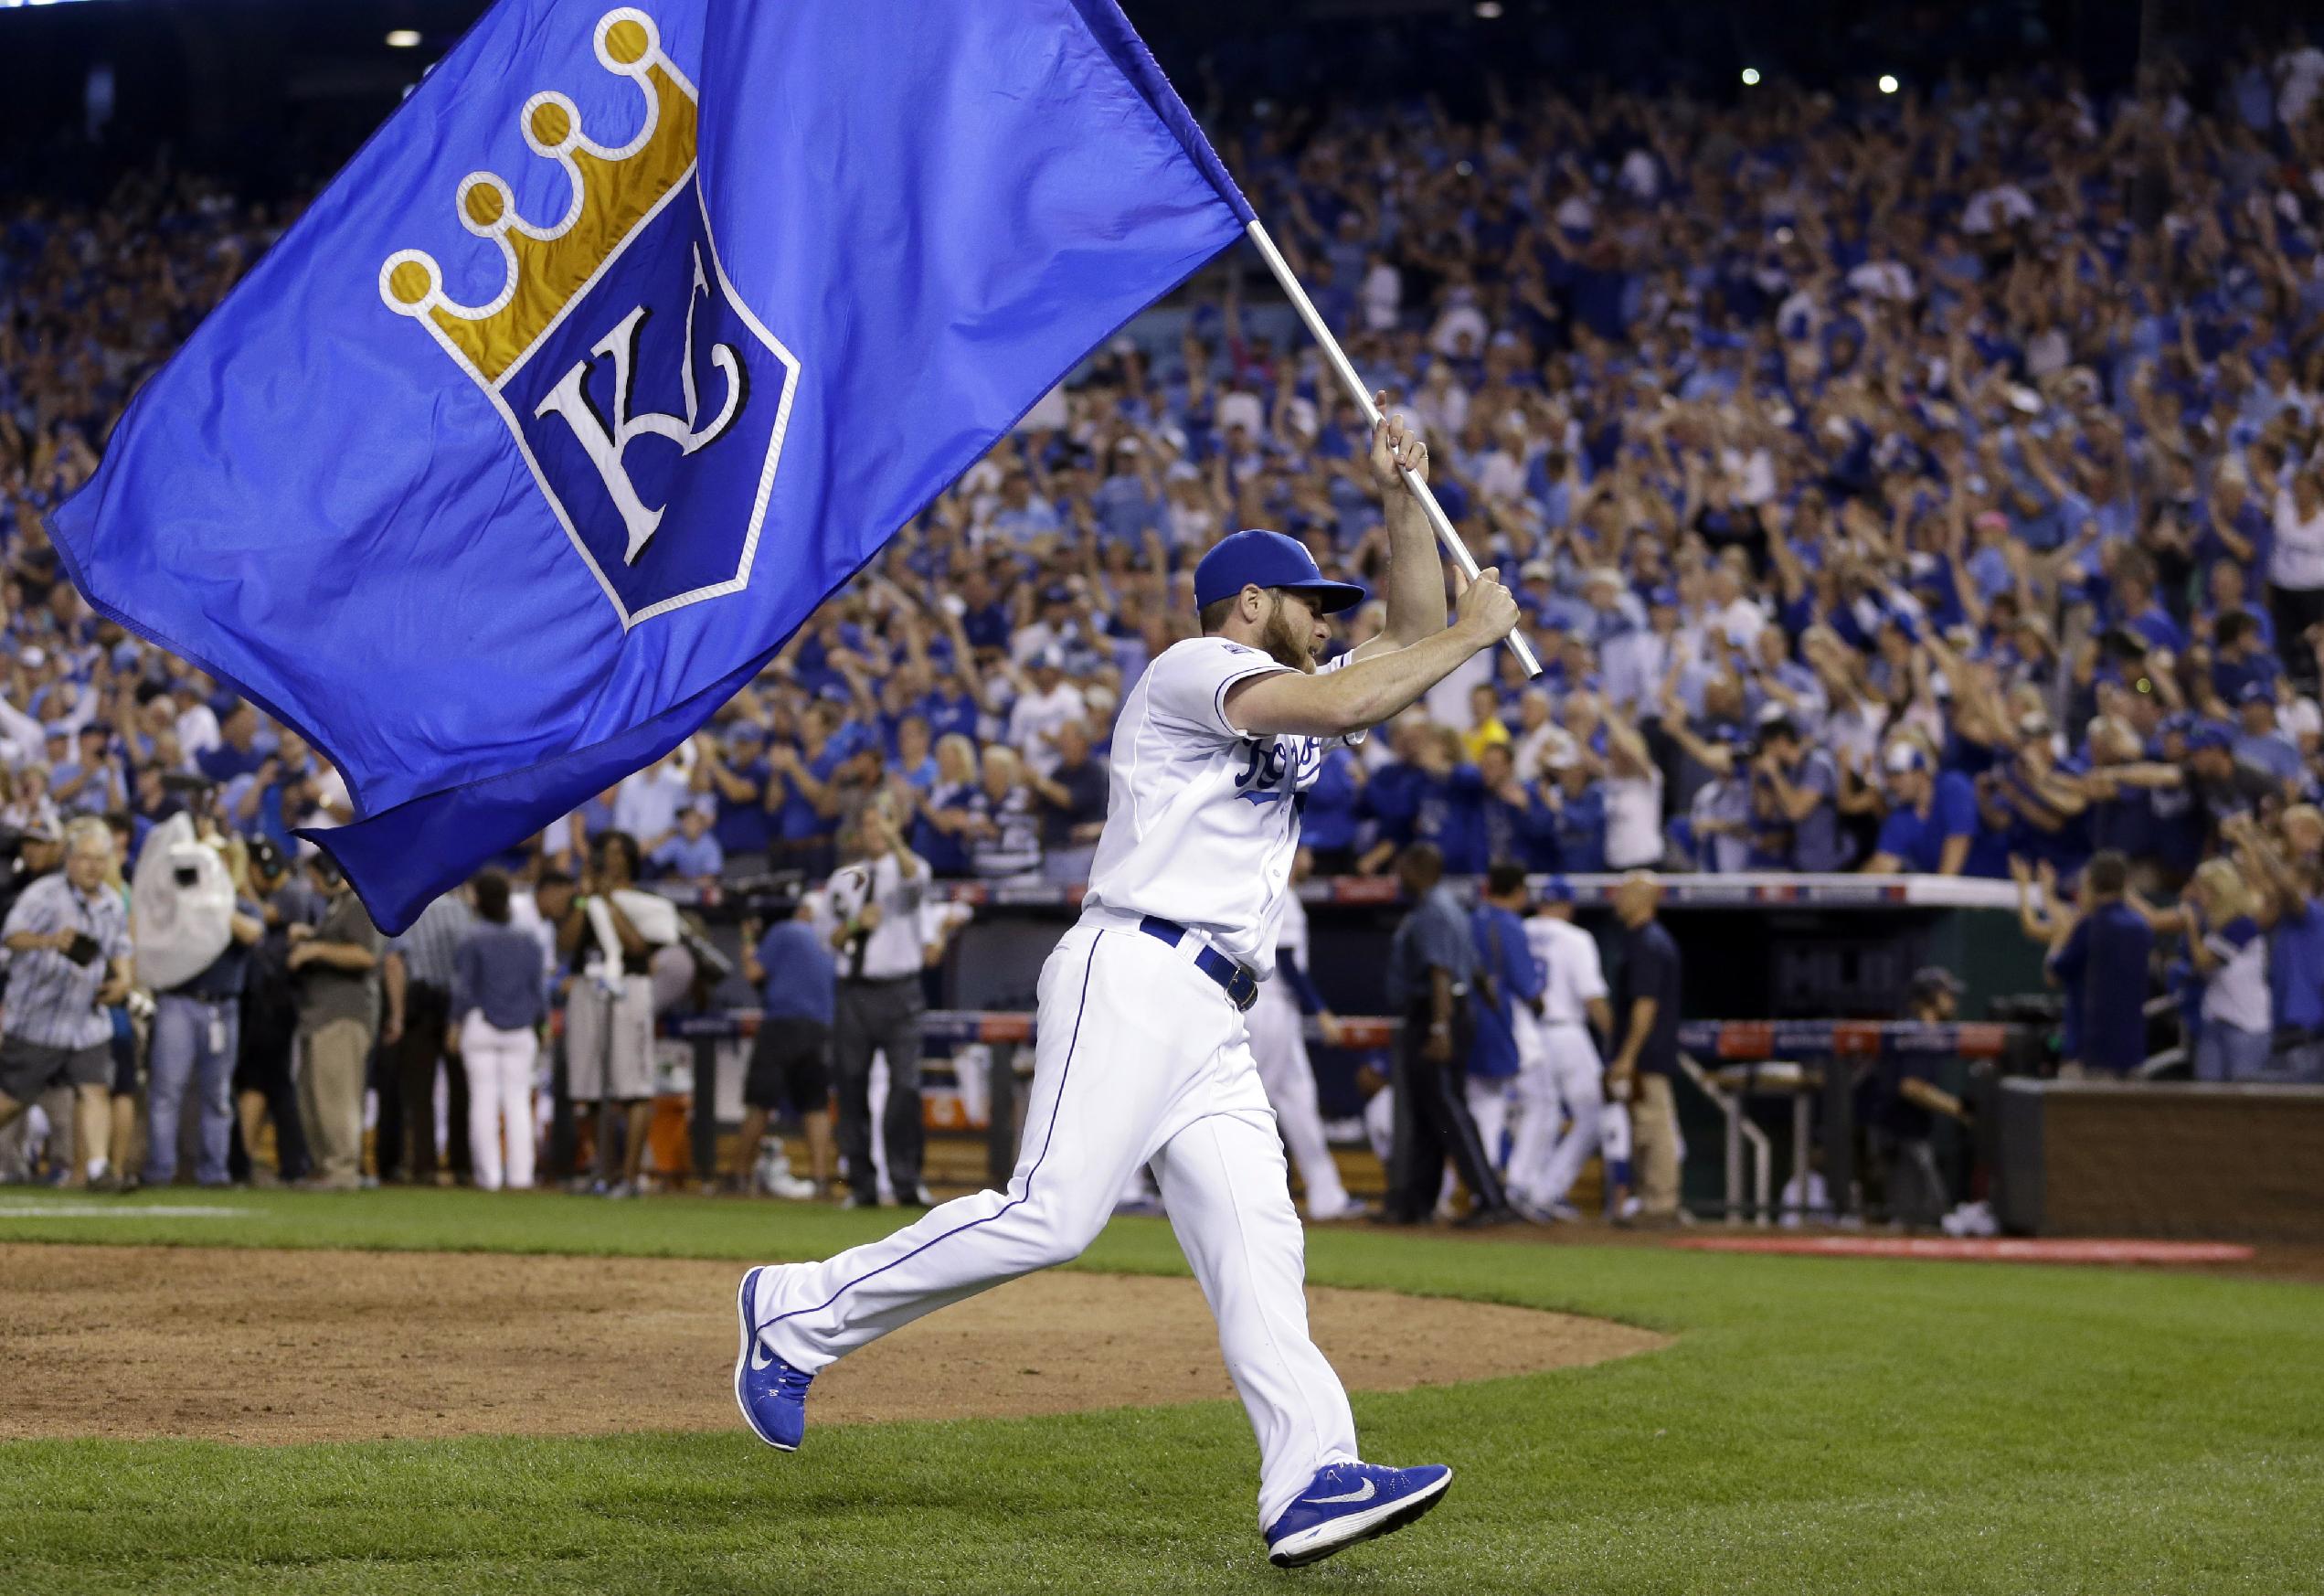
(224, 763)
(796, 817)
(801, 979)
(2104, 966)
(2295, 968)
(1918, 839)
(946, 853)
(2037, 830)
(2125, 822)
(1327, 809)
(741, 824)
(689, 857)
(1579, 827)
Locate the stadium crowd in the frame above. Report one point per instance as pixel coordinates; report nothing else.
(1930, 481)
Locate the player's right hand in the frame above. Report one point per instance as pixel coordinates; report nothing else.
(1485, 608)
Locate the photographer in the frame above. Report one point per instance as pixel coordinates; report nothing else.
(39, 850)
(69, 938)
(262, 1083)
(196, 1031)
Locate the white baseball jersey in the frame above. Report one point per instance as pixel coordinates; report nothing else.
(1202, 820)
(892, 949)
(1569, 956)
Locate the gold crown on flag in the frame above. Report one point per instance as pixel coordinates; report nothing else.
(613, 192)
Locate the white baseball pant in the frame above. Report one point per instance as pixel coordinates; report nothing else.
(500, 1100)
(1487, 1098)
(1562, 1077)
(1278, 1046)
(1380, 1123)
(1138, 1057)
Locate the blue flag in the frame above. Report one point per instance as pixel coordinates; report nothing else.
(630, 336)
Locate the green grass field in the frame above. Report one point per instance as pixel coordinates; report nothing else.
(1819, 1425)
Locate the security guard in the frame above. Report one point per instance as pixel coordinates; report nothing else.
(1432, 964)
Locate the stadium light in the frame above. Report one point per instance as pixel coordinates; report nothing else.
(1750, 77)
(1488, 9)
(1888, 82)
(403, 38)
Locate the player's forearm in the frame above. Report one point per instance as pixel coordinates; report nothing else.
(1337, 703)
(1415, 584)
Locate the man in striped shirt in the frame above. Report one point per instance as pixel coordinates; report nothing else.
(68, 943)
(417, 973)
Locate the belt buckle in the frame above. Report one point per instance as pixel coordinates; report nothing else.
(1242, 988)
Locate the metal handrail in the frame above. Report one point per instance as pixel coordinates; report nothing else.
(1740, 1129)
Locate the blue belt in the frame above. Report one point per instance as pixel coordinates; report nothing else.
(1240, 986)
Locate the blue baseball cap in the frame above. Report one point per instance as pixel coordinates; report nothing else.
(1267, 560)
(1556, 890)
(2209, 734)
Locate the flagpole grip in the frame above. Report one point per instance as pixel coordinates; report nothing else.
(1354, 384)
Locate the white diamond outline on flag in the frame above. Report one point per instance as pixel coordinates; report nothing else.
(688, 183)
(741, 579)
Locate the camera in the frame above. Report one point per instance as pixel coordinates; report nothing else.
(186, 865)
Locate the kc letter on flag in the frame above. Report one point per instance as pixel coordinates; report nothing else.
(630, 336)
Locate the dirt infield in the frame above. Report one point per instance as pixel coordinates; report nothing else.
(277, 1346)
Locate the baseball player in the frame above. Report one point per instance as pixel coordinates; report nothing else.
(1562, 1074)
(1278, 1046)
(1140, 1053)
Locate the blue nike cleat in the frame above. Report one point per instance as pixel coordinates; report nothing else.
(771, 1394)
(1346, 1503)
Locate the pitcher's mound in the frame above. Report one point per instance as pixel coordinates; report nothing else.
(234, 1344)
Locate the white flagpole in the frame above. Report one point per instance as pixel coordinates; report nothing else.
(1357, 391)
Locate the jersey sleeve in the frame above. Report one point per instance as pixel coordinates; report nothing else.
(1288, 971)
(1188, 683)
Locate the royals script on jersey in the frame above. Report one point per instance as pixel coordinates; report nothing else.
(1202, 820)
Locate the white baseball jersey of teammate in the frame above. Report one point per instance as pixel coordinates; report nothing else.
(1139, 1061)
(1562, 1079)
(1201, 819)
(1575, 974)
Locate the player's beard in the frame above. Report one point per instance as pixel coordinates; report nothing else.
(1284, 645)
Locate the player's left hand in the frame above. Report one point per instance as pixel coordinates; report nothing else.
(1396, 447)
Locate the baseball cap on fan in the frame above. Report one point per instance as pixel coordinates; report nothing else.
(1269, 559)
